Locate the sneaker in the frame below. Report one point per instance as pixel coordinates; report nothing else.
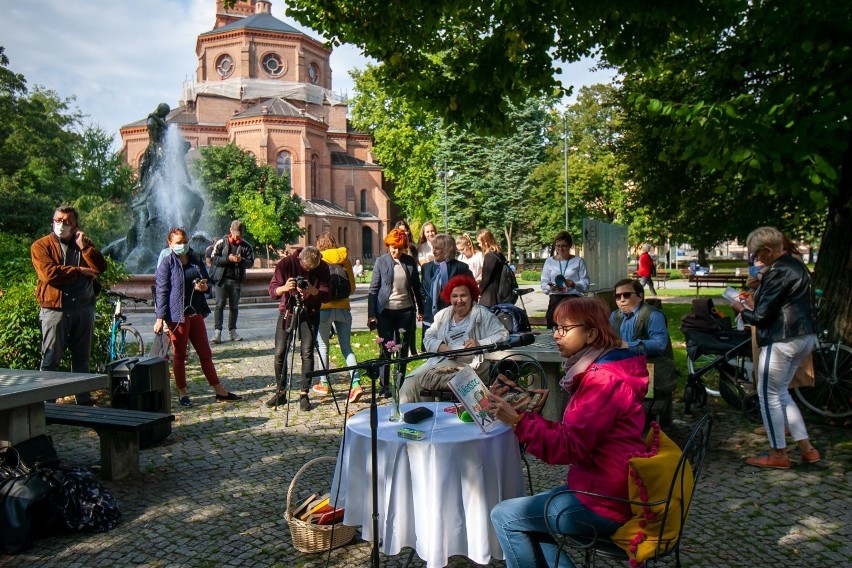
(217, 336)
(320, 389)
(234, 336)
(355, 394)
(304, 403)
(278, 399)
(811, 456)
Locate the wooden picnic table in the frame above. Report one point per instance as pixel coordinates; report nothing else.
(22, 396)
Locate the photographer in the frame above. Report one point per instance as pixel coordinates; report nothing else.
(301, 284)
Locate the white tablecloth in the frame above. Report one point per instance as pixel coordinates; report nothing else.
(436, 494)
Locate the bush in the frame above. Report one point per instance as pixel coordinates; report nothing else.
(531, 275)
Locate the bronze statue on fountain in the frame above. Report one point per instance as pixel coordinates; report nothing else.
(164, 198)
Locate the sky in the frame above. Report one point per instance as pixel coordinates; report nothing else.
(121, 58)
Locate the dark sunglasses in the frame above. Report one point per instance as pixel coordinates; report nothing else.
(625, 295)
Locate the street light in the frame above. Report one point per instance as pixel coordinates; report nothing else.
(565, 159)
(445, 175)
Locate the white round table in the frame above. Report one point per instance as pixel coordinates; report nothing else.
(435, 494)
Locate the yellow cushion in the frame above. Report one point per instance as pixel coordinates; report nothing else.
(650, 477)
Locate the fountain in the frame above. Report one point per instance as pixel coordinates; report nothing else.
(165, 199)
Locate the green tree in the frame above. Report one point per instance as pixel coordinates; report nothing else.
(405, 141)
(234, 179)
(770, 106)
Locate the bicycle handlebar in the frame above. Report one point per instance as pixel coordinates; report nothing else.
(124, 297)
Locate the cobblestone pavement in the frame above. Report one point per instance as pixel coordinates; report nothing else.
(214, 492)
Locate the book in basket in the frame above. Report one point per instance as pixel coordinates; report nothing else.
(473, 394)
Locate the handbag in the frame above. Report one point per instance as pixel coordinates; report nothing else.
(26, 510)
(804, 376)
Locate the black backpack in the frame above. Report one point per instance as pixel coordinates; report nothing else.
(514, 319)
(507, 284)
(339, 282)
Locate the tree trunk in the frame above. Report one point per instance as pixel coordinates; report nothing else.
(833, 270)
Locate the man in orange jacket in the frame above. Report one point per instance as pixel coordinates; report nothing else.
(67, 264)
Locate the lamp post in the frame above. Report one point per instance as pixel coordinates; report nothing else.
(445, 175)
(565, 159)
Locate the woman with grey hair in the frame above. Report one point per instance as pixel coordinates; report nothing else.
(782, 311)
(644, 271)
(437, 273)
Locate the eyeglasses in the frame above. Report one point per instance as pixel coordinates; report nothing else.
(625, 295)
(562, 330)
(65, 222)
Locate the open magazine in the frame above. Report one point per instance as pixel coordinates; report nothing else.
(472, 393)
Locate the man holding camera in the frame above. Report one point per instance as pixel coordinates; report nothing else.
(230, 258)
(301, 284)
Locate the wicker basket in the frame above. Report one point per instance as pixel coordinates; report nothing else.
(308, 537)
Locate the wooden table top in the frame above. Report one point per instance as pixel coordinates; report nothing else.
(20, 387)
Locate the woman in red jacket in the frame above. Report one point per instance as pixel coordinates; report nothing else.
(602, 426)
(646, 263)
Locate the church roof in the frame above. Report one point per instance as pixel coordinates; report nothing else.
(344, 159)
(262, 22)
(322, 207)
(276, 107)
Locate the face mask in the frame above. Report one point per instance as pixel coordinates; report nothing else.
(61, 231)
(182, 248)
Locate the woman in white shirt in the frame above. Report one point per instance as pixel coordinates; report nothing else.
(564, 275)
(424, 245)
(470, 256)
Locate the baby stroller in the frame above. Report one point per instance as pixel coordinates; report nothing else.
(718, 359)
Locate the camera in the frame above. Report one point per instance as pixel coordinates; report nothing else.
(301, 283)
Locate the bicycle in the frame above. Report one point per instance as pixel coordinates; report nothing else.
(124, 340)
(831, 394)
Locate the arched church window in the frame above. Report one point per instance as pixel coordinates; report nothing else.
(273, 64)
(284, 165)
(225, 66)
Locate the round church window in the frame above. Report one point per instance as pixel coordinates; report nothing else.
(313, 74)
(225, 66)
(273, 64)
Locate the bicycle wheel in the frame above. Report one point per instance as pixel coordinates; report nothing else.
(127, 343)
(831, 394)
(711, 378)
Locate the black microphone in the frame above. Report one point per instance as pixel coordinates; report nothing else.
(515, 340)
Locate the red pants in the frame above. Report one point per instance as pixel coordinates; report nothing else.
(191, 330)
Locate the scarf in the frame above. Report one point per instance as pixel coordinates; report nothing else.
(578, 363)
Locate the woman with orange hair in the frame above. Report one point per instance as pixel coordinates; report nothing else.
(461, 325)
(395, 300)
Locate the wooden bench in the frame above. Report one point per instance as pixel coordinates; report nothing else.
(716, 281)
(117, 429)
(537, 321)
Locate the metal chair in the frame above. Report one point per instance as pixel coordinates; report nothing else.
(692, 456)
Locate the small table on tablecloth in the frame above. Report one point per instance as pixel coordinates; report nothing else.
(435, 494)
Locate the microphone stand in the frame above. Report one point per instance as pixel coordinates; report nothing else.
(372, 368)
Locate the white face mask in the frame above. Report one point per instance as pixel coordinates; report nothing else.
(181, 248)
(62, 231)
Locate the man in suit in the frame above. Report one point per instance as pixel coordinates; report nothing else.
(437, 273)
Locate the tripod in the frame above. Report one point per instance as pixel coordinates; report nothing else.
(297, 318)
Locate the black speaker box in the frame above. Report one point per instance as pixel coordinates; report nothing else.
(142, 383)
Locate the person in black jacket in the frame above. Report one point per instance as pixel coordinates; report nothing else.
(437, 273)
(231, 256)
(782, 311)
(395, 299)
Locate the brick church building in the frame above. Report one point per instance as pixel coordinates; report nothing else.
(266, 86)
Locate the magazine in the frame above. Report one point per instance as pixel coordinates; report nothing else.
(473, 394)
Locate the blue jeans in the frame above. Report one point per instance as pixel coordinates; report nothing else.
(522, 532)
(342, 320)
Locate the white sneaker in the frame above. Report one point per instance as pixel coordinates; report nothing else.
(234, 336)
(217, 336)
